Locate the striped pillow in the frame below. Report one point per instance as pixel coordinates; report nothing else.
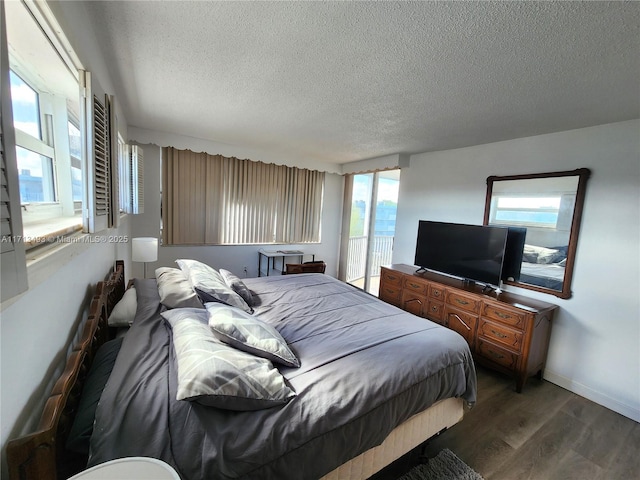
(250, 334)
(218, 375)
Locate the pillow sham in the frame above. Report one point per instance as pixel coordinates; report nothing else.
(99, 373)
(175, 290)
(124, 311)
(541, 255)
(215, 374)
(237, 286)
(209, 284)
(250, 334)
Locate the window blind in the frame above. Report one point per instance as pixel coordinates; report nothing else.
(12, 255)
(215, 200)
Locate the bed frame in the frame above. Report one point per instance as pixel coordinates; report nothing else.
(42, 454)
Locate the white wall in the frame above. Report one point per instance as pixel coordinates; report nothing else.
(230, 257)
(595, 340)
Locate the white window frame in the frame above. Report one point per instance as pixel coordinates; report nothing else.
(54, 118)
(131, 177)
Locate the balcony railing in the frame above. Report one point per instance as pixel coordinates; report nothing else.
(380, 255)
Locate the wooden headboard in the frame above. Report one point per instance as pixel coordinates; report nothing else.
(42, 454)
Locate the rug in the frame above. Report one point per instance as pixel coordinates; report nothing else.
(444, 466)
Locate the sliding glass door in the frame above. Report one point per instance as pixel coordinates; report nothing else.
(372, 221)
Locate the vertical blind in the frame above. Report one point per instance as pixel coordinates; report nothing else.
(215, 200)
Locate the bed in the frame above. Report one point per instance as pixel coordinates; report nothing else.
(543, 266)
(372, 383)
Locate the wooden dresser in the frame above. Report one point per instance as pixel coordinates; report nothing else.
(505, 331)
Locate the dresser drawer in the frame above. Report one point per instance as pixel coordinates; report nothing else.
(414, 303)
(389, 277)
(498, 333)
(497, 354)
(390, 294)
(416, 285)
(459, 300)
(462, 322)
(436, 291)
(435, 311)
(504, 315)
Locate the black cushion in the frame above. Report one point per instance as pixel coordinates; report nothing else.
(82, 427)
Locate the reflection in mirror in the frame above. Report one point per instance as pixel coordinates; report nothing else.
(548, 206)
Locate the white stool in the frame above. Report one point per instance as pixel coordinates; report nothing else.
(130, 468)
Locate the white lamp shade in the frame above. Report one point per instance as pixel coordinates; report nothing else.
(144, 249)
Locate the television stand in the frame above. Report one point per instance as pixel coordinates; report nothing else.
(507, 332)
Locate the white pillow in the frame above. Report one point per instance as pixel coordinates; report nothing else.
(175, 290)
(124, 311)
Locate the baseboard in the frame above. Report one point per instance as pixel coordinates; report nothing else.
(595, 396)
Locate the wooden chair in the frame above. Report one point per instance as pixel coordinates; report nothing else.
(307, 267)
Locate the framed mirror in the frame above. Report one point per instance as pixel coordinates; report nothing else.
(545, 209)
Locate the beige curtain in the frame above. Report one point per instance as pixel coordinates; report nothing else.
(213, 200)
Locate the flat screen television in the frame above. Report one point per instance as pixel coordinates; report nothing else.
(472, 252)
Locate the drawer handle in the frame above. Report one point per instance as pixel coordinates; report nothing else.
(499, 356)
(413, 300)
(414, 285)
(462, 321)
(436, 293)
(434, 308)
(504, 316)
(499, 334)
(462, 302)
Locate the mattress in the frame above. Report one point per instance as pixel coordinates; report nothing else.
(544, 275)
(366, 367)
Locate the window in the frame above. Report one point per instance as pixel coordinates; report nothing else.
(45, 98)
(216, 200)
(528, 210)
(372, 204)
(75, 151)
(26, 107)
(131, 177)
(35, 166)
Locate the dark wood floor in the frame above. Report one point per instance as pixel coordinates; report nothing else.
(543, 433)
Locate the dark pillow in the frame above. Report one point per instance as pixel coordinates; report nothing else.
(237, 285)
(82, 427)
(210, 285)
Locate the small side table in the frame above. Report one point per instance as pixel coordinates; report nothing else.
(272, 255)
(129, 468)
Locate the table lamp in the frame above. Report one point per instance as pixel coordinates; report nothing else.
(144, 249)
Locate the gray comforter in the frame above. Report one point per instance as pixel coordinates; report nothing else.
(366, 367)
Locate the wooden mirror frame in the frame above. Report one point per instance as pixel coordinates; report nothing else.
(583, 175)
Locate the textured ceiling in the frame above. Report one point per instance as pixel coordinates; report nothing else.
(345, 81)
